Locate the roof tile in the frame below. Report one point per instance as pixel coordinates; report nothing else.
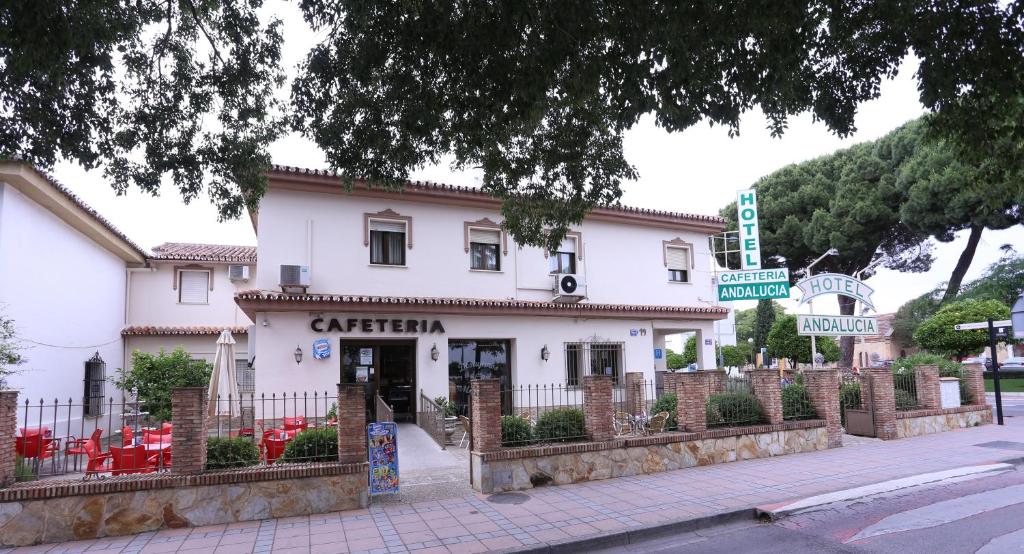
(149, 330)
(204, 252)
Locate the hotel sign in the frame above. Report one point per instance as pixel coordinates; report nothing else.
(753, 284)
(376, 325)
(837, 325)
(835, 283)
(750, 238)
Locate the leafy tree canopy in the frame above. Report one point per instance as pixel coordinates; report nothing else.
(538, 96)
(674, 360)
(153, 376)
(784, 342)
(746, 320)
(936, 334)
(10, 351)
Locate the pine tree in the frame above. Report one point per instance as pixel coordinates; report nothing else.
(763, 323)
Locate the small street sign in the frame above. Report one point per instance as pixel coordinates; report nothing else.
(981, 325)
(753, 284)
(835, 283)
(837, 325)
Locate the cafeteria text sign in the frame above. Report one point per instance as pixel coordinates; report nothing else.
(753, 284)
(835, 283)
(837, 325)
(750, 236)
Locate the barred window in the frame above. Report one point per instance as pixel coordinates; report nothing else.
(593, 358)
(245, 375)
(95, 377)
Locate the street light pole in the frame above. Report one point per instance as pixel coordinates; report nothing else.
(810, 303)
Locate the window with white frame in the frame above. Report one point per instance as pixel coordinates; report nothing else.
(387, 242)
(194, 286)
(484, 249)
(564, 259)
(677, 259)
(592, 358)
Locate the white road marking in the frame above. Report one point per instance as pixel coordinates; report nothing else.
(1010, 542)
(945, 511)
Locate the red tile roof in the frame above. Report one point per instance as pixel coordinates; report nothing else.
(204, 252)
(252, 299)
(150, 330)
(428, 186)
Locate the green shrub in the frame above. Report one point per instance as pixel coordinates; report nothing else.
(796, 403)
(332, 414)
(733, 408)
(560, 425)
(447, 406)
(312, 445)
(849, 395)
(947, 367)
(223, 453)
(23, 471)
(667, 403)
(515, 431)
(905, 400)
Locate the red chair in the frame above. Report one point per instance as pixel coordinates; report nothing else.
(35, 443)
(274, 448)
(127, 437)
(156, 437)
(99, 462)
(279, 435)
(76, 447)
(295, 423)
(166, 427)
(133, 459)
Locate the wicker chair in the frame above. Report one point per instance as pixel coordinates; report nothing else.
(622, 423)
(467, 430)
(657, 423)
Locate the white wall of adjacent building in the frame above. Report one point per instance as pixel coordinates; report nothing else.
(154, 296)
(66, 295)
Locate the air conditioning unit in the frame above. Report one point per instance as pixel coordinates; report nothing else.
(569, 288)
(238, 272)
(295, 276)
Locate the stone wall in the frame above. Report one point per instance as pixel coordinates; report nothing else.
(38, 512)
(923, 422)
(524, 468)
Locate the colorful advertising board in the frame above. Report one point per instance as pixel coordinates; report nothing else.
(382, 442)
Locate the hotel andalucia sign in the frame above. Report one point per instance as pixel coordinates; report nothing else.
(835, 283)
(836, 325)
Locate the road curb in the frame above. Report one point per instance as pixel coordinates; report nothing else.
(774, 512)
(642, 533)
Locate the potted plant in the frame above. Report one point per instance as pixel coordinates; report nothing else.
(449, 411)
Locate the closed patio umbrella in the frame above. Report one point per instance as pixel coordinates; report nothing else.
(223, 381)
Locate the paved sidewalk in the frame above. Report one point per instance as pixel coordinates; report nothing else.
(476, 523)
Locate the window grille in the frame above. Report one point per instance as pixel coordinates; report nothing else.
(246, 376)
(95, 377)
(593, 358)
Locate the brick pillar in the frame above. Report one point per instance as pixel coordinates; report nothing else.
(877, 392)
(598, 407)
(693, 401)
(716, 381)
(768, 391)
(635, 394)
(8, 427)
(486, 414)
(926, 380)
(975, 376)
(823, 389)
(351, 423)
(670, 385)
(188, 441)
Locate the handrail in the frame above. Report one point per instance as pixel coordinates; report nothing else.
(383, 411)
(430, 418)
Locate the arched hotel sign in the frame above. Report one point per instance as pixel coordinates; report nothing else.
(835, 283)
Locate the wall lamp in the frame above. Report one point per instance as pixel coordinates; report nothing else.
(545, 354)
(298, 355)
(434, 354)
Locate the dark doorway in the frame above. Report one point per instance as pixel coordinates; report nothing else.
(386, 368)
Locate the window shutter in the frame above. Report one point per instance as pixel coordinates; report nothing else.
(568, 245)
(389, 226)
(677, 258)
(195, 287)
(484, 236)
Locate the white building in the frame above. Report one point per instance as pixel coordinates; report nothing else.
(421, 289)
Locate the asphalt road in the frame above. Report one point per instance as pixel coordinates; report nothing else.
(982, 515)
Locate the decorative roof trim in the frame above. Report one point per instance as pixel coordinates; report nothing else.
(150, 330)
(315, 180)
(199, 252)
(252, 301)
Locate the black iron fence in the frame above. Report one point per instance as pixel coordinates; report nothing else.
(904, 384)
(735, 406)
(645, 408)
(543, 414)
(796, 401)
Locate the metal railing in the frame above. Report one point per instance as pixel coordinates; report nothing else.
(641, 402)
(850, 395)
(736, 406)
(382, 410)
(431, 418)
(796, 401)
(543, 414)
(904, 384)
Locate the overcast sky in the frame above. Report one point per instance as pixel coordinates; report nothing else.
(696, 171)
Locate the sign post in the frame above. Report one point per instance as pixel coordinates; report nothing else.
(993, 327)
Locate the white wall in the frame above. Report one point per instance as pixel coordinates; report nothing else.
(66, 296)
(154, 298)
(276, 370)
(199, 346)
(622, 264)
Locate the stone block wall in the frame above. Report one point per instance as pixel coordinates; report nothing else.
(924, 422)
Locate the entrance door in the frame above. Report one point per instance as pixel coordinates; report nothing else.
(386, 368)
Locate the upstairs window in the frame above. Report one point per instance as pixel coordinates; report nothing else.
(194, 286)
(387, 242)
(564, 259)
(483, 249)
(677, 260)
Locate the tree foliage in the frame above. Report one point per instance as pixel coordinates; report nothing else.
(746, 321)
(10, 351)
(938, 336)
(767, 312)
(538, 96)
(152, 376)
(674, 360)
(736, 356)
(910, 315)
(784, 342)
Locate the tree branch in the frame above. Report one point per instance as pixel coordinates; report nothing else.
(199, 22)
